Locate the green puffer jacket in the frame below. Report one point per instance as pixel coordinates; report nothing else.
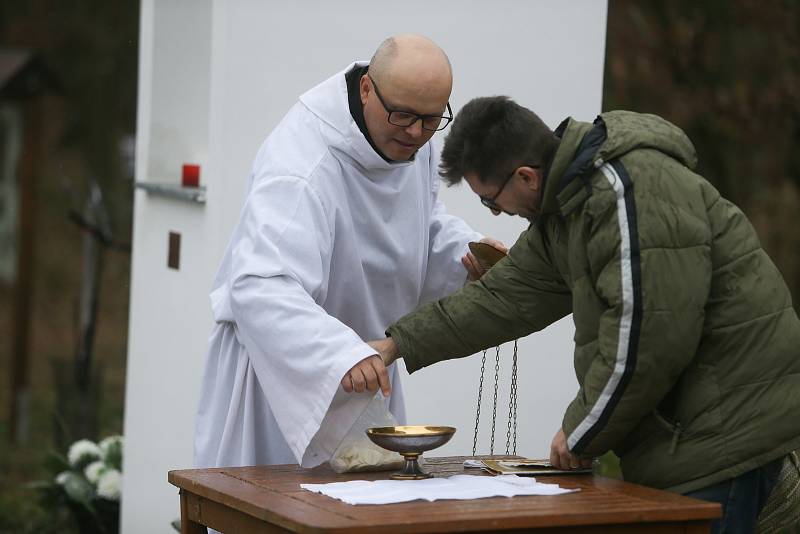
(687, 348)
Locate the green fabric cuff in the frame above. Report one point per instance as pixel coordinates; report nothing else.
(405, 347)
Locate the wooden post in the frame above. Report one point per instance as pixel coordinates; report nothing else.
(28, 177)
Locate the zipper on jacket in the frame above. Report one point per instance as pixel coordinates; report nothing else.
(676, 436)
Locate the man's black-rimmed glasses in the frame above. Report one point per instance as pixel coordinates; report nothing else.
(490, 202)
(432, 123)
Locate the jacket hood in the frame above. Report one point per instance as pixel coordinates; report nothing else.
(585, 147)
(328, 102)
(627, 131)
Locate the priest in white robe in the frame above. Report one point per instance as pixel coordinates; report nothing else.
(341, 234)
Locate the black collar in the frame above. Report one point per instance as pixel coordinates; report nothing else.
(353, 79)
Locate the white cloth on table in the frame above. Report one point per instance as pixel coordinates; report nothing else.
(333, 244)
(432, 489)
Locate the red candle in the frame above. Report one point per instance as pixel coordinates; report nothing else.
(190, 176)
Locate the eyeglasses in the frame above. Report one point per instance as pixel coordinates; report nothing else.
(490, 202)
(432, 123)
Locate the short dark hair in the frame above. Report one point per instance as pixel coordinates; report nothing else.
(491, 136)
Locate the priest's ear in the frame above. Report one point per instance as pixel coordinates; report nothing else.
(364, 89)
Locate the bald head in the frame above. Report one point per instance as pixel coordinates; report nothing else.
(410, 62)
(408, 75)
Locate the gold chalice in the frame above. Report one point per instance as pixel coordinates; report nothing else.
(410, 442)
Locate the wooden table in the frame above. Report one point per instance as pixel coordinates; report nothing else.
(269, 499)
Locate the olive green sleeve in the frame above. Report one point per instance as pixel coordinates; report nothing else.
(521, 294)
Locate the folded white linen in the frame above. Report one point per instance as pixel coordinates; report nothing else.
(432, 489)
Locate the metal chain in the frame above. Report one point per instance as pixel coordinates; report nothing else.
(514, 394)
(511, 431)
(511, 414)
(508, 431)
(478, 409)
(494, 406)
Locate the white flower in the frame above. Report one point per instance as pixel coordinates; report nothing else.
(62, 477)
(93, 471)
(83, 450)
(109, 486)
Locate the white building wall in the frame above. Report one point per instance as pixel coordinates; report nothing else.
(215, 77)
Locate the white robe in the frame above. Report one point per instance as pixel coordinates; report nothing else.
(333, 245)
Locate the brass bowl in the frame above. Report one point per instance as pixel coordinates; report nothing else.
(410, 442)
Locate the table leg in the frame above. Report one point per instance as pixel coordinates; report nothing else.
(187, 525)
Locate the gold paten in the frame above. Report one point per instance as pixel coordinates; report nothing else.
(486, 254)
(410, 442)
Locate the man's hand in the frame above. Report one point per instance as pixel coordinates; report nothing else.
(386, 348)
(561, 458)
(475, 269)
(369, 374)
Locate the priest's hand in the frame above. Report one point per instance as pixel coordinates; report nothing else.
(561, 458)
(368, 375)
(386, 348)
(476, 269)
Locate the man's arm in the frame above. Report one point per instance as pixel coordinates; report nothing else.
(386, 349)
(522, 293)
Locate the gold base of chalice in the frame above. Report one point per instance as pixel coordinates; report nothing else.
(411, 469)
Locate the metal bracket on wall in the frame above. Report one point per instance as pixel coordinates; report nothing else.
(189, 194)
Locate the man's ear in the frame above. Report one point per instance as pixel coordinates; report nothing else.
(532, 177)
(364, 88)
